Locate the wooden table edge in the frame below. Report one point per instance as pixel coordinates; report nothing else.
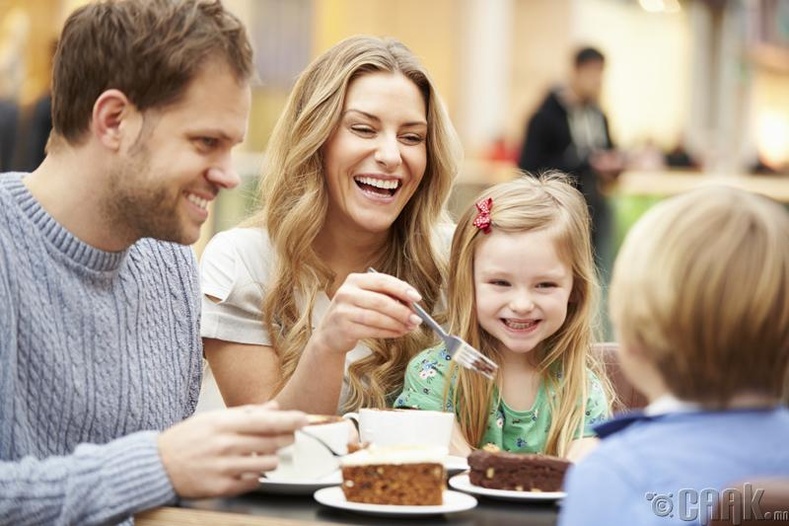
(171, 516)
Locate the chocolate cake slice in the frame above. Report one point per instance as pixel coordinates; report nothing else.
(516, 471)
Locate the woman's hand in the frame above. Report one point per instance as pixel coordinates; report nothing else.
(367, 305)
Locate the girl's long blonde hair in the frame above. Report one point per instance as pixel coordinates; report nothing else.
(524, 204)
(294, 201)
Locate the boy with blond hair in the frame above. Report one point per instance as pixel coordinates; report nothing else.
(700, 301)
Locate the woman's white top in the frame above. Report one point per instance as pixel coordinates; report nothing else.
(235, 269)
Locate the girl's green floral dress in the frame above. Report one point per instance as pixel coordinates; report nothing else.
(510, 430)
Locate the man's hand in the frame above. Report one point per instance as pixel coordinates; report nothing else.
(222, 453)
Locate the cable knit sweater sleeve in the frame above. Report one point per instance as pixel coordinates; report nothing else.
(94, 485)
(99, 352)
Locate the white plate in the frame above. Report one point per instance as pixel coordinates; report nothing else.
(298, 487)
(462, 483)
(455, 464)
(453, 502)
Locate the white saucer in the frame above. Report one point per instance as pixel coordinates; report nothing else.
(462, 483)
(298, 486)
(453, 502)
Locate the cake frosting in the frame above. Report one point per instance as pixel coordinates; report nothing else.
(395, 455)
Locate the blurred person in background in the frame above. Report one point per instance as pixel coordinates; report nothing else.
(357, 174)
(99, 338)
(14, 31)
(37, 127)
(569, 132)
(9, 119)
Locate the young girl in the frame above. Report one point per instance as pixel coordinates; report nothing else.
(522, 291)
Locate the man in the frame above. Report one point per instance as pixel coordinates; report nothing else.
(99, 338)
(569, 132)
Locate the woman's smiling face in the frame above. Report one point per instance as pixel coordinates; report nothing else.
(376, 157)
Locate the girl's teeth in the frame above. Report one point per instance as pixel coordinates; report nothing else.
(520, 325)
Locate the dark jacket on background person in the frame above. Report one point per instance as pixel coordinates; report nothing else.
(549, 145)
(9, 116)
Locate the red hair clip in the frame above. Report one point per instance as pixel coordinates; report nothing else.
(482, 221)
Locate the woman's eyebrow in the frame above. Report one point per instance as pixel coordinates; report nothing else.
(377, 119)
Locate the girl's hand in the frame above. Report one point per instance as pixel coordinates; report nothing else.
(367, 305)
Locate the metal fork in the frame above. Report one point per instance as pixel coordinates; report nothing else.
(461, 352)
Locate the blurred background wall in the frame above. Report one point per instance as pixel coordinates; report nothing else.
(711, 76)
(702, 81)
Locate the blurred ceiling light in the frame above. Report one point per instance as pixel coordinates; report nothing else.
(660, 6)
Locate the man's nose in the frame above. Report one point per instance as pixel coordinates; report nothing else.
(224, 176)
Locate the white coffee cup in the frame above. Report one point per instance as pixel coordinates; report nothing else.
(309, 458)
(404, 427)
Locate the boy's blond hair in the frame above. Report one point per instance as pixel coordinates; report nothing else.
(701, 287)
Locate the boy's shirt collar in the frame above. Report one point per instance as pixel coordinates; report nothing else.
(668, 403)
(661, 406)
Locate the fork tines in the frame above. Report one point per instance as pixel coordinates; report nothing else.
(470, 358)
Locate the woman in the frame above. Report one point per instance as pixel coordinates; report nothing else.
(357, 174)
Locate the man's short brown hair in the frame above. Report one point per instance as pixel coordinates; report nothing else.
(148, 49)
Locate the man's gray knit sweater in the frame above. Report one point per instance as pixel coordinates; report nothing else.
(98, 351)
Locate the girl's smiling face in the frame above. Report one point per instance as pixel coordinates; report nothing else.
(522, 288)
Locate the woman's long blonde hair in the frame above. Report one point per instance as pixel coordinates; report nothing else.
(525, 204)
(294, 201)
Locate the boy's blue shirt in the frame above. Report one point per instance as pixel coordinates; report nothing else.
(664, 469)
